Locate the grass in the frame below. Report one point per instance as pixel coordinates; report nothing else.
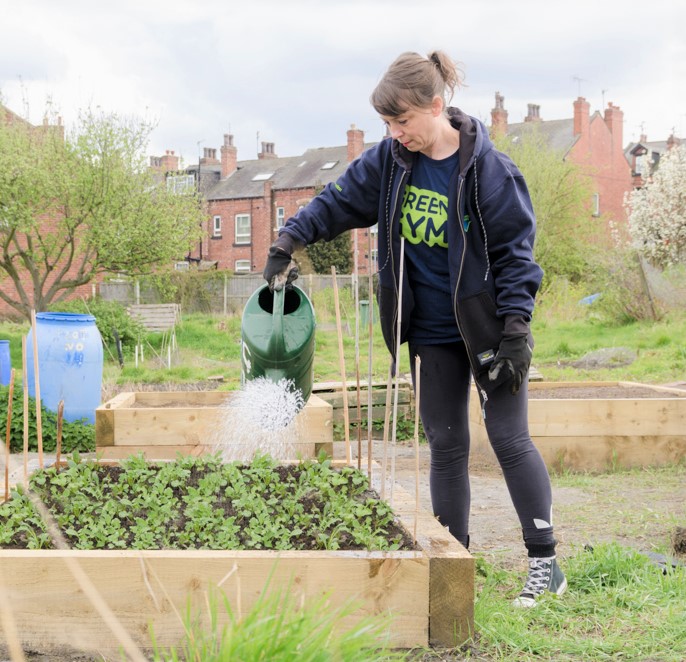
(211, 346)
(279, 629)
(619, 604)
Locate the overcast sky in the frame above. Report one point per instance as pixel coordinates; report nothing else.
(298, 73)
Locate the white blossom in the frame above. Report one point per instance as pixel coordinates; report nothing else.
(657, 212)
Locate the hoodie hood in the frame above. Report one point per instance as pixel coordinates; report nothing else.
(474, 141)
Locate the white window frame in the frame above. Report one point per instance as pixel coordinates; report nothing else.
(241, 267)
(280, 217)
(596, 204)
(181, 184)
(217, 226)
(241, 236)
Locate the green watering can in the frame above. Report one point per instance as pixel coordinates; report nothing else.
(277, 333)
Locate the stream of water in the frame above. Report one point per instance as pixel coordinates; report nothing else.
(260, 418)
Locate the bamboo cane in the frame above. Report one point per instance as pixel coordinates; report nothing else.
(397, 363)
(58, 449)
(341, 358)
(418, 365)
(357, 369)
(8, 435)
(370, 286)
(25, 383)
(39, 416)
(386, 426)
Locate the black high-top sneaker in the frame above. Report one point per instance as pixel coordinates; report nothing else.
(544, 575)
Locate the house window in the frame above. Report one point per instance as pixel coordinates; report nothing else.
(241, 266)
(280, 217)
(242, 228)
(596, 204)
(329, 165)
(181, 184)
(374, 229)
(217, 226)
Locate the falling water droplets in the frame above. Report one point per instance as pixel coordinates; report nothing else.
(260, 417)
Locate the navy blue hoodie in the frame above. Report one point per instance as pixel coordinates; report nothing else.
(491, 229)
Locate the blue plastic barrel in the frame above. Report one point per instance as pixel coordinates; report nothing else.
(5, 362)
(69, 363)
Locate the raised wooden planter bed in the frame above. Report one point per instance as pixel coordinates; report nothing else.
(429, 593)
(162, 424)
(597, 425)
(332, 392)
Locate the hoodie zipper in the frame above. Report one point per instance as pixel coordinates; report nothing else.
(390, 220)
(482, 391)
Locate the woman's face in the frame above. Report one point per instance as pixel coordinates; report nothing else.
(416, 128)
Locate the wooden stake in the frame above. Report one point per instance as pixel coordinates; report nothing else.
(39, 415)
(418, 365)
(58, 450)
(341, 358)
(8, 436)
(25, 383)
(397, 363)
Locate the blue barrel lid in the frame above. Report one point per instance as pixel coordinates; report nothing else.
(4, 342)
(65, 317)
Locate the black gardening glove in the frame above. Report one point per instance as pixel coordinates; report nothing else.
(511, 363)
(281, 270)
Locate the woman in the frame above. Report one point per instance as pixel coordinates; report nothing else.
(468, 289)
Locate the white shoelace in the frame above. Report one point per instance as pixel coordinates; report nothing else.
(539, 576)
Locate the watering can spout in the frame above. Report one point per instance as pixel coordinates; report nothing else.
(277, 334)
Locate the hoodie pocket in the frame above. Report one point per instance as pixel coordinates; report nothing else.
(482, 330)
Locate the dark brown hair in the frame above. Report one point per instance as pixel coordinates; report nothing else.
(412, 81)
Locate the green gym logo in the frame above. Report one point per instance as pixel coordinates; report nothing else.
(423, 217)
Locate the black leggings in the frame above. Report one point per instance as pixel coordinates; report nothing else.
(443, 407)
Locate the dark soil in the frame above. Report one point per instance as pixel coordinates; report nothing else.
(313, 503)
(590, 392)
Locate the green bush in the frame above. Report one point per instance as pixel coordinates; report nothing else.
(110, 316)
(76, 435)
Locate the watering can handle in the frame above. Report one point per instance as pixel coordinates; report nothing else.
(277, 345)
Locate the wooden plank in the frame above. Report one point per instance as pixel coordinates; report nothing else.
(322, 387)
(597, 434)
(154, 420)
(151, 452)
(50, 610)
(180, 399)
(378, 397)
(451, 569)
(607, 452)
(613, 417)
(377, 413)
(156, 317)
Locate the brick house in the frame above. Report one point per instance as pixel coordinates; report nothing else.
(644, 156)
(248, 201)
(592, 141)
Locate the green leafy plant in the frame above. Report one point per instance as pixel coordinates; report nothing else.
(76, 435)
(110, 318)
(200, 503)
